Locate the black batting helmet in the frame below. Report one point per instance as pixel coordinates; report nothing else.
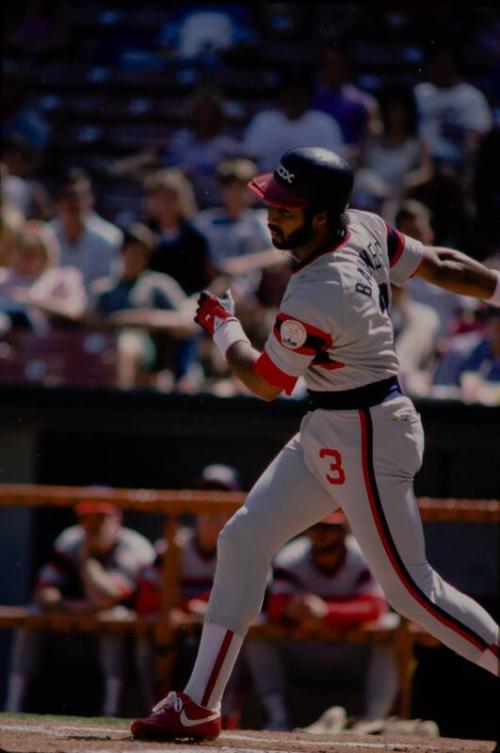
(307, 176)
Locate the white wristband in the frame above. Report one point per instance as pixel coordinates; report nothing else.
(229, 333)
(495, 298)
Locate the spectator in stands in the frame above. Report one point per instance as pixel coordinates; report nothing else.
(91, 571)
(138, 302)
(471, 363)
(182, 251)
(395, 161)
(198, 552)
(453, 114)
(203, 33)
(198, 148)
(20, 188)
(87, 241)
(242, 252)
(355, 111)
(321, 581)
(293, 123)
(35, 292)
(237, 233)
(413, 218)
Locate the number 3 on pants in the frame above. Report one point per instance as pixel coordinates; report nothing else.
(338, 475)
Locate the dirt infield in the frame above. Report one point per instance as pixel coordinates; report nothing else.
(80, 735)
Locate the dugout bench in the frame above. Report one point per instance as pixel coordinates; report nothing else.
(173, 504)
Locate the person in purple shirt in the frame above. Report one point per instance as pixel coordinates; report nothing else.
(355, 111)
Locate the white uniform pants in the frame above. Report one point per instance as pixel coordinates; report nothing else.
(364, 462)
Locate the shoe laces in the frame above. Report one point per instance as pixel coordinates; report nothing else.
(172, 699)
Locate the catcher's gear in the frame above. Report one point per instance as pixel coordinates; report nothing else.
(212, 312)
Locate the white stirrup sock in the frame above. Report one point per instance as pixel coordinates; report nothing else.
(217, 653)
(490, 661)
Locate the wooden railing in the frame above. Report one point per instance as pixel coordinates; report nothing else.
(173, 504)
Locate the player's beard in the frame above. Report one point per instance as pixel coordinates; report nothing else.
(300, 237)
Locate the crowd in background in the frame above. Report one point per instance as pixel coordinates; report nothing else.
(104, 255)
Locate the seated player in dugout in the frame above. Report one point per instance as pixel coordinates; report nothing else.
(198, 553)
(321, 581)
(92, 569)
(360, 445)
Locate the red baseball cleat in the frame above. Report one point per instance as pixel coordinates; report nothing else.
(177, 716)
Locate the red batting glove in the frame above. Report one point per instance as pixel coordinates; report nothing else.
(212, 312)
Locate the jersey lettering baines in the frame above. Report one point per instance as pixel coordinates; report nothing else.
(334, 326)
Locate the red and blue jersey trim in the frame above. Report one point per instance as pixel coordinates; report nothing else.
(395, 244)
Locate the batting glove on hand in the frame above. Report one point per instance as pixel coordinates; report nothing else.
(212, 312)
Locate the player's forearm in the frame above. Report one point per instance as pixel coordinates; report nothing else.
(98, 585)
(357, 611)
(64, 310)
(241, 358)
(216, 316)
(458, 273)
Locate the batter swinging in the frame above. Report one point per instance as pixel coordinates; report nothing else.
(358, 447)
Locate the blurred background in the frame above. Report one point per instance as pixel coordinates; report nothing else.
(128, 137)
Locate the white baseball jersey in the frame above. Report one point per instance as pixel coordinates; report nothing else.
(334, 327)
(197, 569)
(295, 571)
(131, 553)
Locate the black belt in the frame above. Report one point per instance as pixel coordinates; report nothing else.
(360, 397)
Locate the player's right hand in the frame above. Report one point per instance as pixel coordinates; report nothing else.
(212, 312)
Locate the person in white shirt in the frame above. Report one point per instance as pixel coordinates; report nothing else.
(453, 114)
(236, 231)
(36, 293)
(87, 241)
(293, 123)
(197, 148)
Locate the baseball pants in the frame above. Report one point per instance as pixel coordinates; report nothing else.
(363, 461)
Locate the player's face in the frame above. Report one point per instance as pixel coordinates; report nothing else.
(290, 227)
(101, 531)
(326, 540)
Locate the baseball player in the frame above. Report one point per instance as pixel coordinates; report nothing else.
(360, 444)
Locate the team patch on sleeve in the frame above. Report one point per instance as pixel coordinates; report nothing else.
(299, 336)
(293, 334)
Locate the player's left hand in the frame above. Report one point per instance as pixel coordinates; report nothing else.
(212, 312)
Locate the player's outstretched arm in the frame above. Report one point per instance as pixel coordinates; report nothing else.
(459, 273)
(216, 316)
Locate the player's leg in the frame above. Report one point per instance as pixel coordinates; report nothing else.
(264, 659)
(24, 664)
(381, 681)
(112, 661)
(382, 510)
(286, 500)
